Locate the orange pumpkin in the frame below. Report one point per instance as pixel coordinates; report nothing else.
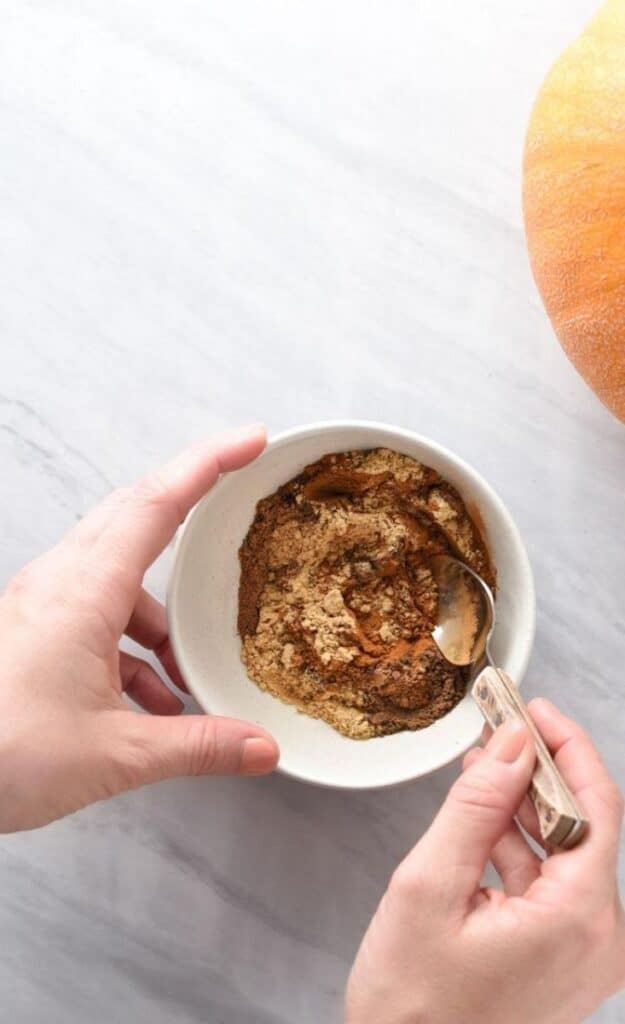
(574, 202)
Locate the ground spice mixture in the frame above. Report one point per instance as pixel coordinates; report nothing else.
(336, 600)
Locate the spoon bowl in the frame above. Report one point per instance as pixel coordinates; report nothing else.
(466, 612)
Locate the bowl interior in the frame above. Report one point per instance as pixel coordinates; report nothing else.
(202, 607)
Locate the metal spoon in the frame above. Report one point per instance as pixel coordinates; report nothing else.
(464, 627)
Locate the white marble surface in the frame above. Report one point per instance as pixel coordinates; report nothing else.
(217, 211)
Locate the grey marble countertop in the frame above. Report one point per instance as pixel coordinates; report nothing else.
(217, 212)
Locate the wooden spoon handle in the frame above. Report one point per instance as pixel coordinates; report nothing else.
(559, 818)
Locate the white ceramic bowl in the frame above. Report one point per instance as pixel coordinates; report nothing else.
(202, 607)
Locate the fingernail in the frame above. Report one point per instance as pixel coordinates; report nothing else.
(258, 756)
(508, 741)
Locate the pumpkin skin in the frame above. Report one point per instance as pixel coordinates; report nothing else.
(574, 202)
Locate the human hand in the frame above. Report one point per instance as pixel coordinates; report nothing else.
(549, 948)
(67, 737)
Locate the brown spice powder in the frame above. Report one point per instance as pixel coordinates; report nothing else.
(336, 600)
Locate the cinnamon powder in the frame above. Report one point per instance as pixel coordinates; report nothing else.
(336, 599)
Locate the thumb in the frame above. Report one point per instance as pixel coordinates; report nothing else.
(478, 810)
(199, 745)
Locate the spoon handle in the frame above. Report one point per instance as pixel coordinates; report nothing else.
(560, 820)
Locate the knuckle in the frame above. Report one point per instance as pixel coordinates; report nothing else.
(475, 791)
(153, 491)
(92, 596)
(118, 498)
(513, 874)
(33, 595)
(128, 758)
(22, 582)
(201, 746)
(151, 488)
(407, 881)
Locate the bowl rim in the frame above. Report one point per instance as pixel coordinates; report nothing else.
(319, 428)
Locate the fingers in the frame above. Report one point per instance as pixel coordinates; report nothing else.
(149, 627)
(126, 532)
(199, 745)
(526, 813)
(142, 684)
(597, 794)
(144, 522)
(515, 863)
(477, 812)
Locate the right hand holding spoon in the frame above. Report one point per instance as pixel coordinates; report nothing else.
(549, 948)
